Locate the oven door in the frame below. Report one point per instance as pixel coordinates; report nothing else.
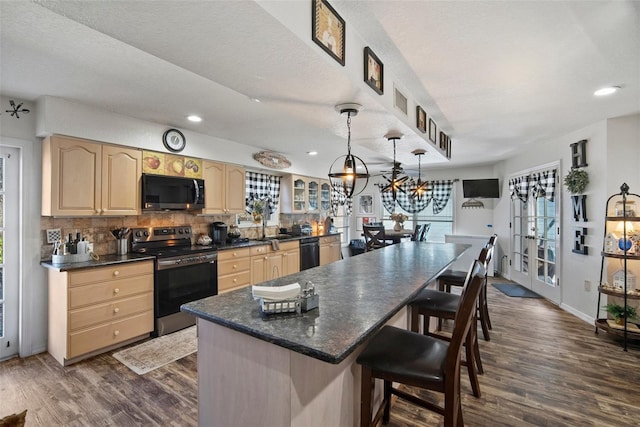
(182, 284)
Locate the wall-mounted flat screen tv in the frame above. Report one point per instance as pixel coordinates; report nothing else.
(481, 188)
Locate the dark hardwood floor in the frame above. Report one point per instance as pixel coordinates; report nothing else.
(543, 366)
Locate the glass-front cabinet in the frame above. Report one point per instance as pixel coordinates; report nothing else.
(304, 194)
(325, 195)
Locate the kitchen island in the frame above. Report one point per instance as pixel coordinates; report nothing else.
(301, 370)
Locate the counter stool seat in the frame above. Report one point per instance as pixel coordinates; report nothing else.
(443, 305)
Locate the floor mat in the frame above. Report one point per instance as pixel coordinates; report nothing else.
(515, 290)
(160, 351)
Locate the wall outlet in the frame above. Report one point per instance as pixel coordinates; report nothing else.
(587, 285)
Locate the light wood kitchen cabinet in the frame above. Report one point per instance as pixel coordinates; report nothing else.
(234, 269)
(224, 187)
(300, 194)
(330, 249)
(87, 178)
(268, 264)
(98, 309)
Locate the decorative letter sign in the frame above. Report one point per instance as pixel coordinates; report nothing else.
(579, 207)
(579, 154)
(578, 241)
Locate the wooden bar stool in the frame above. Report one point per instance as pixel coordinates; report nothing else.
(406, 357)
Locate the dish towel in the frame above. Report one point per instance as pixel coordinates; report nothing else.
(275, 245)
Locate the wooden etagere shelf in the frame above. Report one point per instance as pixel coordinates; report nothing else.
(620, 264)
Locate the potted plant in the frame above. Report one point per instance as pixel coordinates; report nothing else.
(576, 181)
(258, 210)
(619, 313)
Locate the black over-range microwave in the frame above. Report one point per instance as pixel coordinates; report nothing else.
(160, 192)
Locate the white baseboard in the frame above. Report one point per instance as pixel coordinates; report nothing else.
(580, 315)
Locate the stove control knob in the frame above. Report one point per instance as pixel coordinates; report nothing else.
(146, 234)
(138, 233)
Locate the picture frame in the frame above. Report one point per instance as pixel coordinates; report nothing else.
(365, 204)
(328, 30)
(373, 71)
(363, 220)
(443, 141)
(421, 119)
(432, 130)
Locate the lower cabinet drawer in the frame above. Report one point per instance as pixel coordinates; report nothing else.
(234, 281)
(95, 314)
(96, 293)
(233, 266)
(108, 334)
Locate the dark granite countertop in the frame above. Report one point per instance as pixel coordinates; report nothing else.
(357, 296)
(267, 241)
(104, 261)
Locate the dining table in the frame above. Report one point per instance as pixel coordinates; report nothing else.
(395, 236)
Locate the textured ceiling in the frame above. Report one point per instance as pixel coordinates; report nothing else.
(495, 75)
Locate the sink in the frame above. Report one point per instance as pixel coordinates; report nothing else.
(276, 237)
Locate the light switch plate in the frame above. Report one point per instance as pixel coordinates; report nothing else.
(54, 235)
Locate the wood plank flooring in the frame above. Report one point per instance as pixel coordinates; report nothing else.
(543, 366)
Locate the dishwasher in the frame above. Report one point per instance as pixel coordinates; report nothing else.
(309, 252)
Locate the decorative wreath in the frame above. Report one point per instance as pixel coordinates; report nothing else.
(576, 181)
(272, 160)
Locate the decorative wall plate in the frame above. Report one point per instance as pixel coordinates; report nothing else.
(272, 160)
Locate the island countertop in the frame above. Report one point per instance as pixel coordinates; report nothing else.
(357, 296)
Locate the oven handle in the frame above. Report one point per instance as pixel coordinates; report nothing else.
(167, 264)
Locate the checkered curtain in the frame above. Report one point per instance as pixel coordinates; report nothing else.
(260, 186)
(538, 184)
(439, 192)
(339, 198)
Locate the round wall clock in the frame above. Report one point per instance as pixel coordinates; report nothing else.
(174, 140)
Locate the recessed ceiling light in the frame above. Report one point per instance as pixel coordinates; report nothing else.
(194, 118)
(606, 90)
(312, 153)
(255, 99)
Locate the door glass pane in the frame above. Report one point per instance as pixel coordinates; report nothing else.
(1, 174)
(2, 210)
(313, 195)
(1, 303)
(1, 247)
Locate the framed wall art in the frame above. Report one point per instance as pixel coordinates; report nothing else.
(373, 71)
(443, 141)
(432, 131)
(328, 30)
(421, 119)
(364, 220)
(365, 204)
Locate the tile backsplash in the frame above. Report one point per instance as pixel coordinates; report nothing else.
(98, 230)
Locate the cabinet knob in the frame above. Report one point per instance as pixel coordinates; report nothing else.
(235, 254)
(266, 258)
(116, 333)
(116, 310)
(116, 273)
(116, 290)
(235, 280)
(235, 266)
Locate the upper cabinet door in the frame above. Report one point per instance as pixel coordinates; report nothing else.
(325, 195)
(313, 194)
(299, 195)
(71, 177)
(235, 194)
(121, 172)
(214, 186)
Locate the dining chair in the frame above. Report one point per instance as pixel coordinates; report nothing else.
(374, 237)
(443, 306)
(416, 233)
(409, 358)
(423, 233)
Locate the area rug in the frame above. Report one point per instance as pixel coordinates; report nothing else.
(159, 351)
(515, 290)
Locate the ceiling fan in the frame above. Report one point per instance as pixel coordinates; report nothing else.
(397, 177)
(16, 109)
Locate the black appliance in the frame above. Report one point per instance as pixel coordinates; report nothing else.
(481, 188)
(183, 273)
(218, 232)
(309, 252)
(161, 192)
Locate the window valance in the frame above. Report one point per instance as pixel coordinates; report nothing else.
(438, 192)
(260, 186)
(537, 184)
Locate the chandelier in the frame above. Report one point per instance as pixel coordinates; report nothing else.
(347, 177)
(394, 183)
(419, 189)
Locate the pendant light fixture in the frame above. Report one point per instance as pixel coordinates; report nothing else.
(394, 183)
(420, 188)
(349, 175)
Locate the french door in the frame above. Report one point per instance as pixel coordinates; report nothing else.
(9, 250)
(535, 245)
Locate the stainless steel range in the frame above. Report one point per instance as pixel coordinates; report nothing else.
(183, 273)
